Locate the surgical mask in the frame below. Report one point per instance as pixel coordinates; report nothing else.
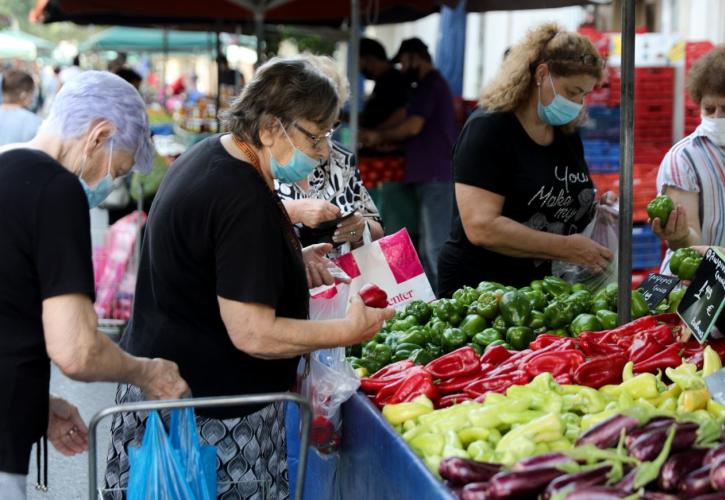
(713, 129)
(100, 192)
(560, 111)
(297, 169)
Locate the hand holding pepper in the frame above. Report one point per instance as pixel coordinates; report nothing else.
(586, 252)
(676, 231)
(363, 322)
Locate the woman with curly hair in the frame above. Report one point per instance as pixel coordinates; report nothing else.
(693, 171)
(522, 187)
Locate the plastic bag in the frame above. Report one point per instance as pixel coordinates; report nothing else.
(604, 229)
(156, 470)
(198, 461)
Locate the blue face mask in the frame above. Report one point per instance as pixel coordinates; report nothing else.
(100, 192)
(297, 169)
(560, 111)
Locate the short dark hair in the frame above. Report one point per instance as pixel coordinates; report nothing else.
(129, 75)
(15, 82)
(413, 46)
(372, 48)
(707, 75)
(287, 89)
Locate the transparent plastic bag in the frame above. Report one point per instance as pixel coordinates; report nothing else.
(199, 461)
(604, 229)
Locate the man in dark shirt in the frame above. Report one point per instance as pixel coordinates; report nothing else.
(429, 131)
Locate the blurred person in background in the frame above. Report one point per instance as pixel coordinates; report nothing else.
(693, 171)
(97, 130)
(17, 124)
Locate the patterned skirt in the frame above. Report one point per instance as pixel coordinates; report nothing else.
(251, 451)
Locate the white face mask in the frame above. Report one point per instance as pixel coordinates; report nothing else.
(714, 129)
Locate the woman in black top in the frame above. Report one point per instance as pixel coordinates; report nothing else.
(523, 191)
(223, 283)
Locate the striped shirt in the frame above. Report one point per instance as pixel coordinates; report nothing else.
(697, 165)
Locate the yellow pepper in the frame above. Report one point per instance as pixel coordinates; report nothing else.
(628, 371)
(401, 412)
(643, 385)
(362, 372)
(471, 434)
(611, 391)
(715, 409)
(712, 362)
(693, 400)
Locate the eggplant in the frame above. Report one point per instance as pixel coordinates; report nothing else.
(654, 423)
(544, 460)
(596, 493)
(717, 475)
(714, 455)
(461, 471)
(594, 477)
(678, 466)
(696, 482)
(718, 495)
(606, 433)
(522, 484)
(647, 446)
(656, 495)
(626, 484)
(475, 491)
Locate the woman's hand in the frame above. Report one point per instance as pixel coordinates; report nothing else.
(364, 322)
(312, 213)
(350, 230)
(677, 231)
(586, 252)
(317, 265)
(66, 430)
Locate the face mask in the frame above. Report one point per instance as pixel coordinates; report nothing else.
(298, 168)
(560, 111)
(714, 129)
(104, 187)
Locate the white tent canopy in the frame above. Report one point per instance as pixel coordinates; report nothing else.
(16, 48)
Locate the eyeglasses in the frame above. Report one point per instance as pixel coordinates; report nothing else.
(316, 140)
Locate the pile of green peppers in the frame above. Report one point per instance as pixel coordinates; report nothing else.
(684, 263)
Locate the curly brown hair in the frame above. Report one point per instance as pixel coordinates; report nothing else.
(707, 75)
(565, 52)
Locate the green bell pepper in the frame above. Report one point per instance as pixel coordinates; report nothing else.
(420, 310)
(608, 319)
(660, 207)
(488, 336)
(609, 294)
(581, 301)
(500, 341)
(675, 297)
(441, 309)
(418, 335)
(555, 286)
(500, 324)
(473, 324)
(405, 324)
(558, 314)
(599, 305)
(639, 305)
(466, 295)
(486, 306)
(537, 299)
(688, 267)
(559, 332)
(662, 307)
(422, 356)
(537, 320)
(679, 255)
(519, 337)
(405, 351)
(435, 331)
(453, 338)
(356, 362)
(579, 287)
(515, 308)
(585, 323)
(488, 286)
(537, 285)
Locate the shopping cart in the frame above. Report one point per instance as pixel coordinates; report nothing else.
(94, 493)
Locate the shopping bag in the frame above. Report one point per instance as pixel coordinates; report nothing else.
(156, 471)
(329, 302)
(392, 264)
(199, 461)
(604, 229)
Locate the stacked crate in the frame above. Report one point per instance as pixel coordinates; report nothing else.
(693, 52)
(600, 137)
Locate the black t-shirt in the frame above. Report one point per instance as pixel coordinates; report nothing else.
(45, 251)
(214, 229)
(546, 188)
(392, 92)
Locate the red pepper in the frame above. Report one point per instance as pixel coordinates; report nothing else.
(456, 384)
(547, 339)
(515, 361)
(497, 384)
(454, 364)
(414, 385)
(592, 349)
(495, 355)
(373, 296)
(556, 363)
(385, 375)
(601, 371)
(385, 394)
(661, 333)
(669, 358)
(671, 319)
(643, 347)
(453, 399)
(644, 323)
(564, 379)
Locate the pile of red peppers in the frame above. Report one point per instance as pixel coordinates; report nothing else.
(592, 359)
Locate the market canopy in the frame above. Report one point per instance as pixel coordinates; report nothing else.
(128, 39)
(40, 43)
(12, 47)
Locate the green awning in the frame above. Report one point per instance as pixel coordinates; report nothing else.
(124, 39)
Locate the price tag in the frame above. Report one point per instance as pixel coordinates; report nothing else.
(704, 300)
(656, 287)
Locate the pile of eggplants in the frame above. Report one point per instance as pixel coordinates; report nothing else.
(688, 472)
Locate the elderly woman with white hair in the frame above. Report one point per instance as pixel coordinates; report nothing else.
(96, 131)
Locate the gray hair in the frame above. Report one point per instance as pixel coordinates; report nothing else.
(326, 65)
(99, 95)
(287, 89)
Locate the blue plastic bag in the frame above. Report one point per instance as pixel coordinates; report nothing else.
(156, 471)
(198, 461)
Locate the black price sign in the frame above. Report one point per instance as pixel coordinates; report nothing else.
(704, 300)
(656, 287)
